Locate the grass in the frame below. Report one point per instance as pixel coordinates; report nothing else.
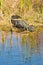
(7, 26)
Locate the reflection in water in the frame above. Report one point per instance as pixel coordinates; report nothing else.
(30, 44)
(11, 40)
(27, 47)
(3, 37)
(37, 41)
(32, 40)
(24, 47)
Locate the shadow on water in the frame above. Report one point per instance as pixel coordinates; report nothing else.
(27, 45)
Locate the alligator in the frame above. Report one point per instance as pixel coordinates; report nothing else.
(21, 24)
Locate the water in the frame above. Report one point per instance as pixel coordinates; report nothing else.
(21, 49)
